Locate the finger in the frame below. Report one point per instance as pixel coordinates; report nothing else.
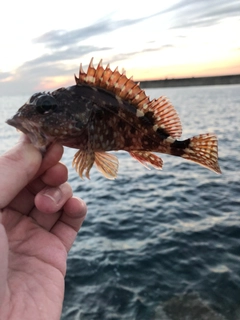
(51, 199)
(49, 203)
(24, 201)
(66, 228)
(4, 261)
(51, 158)
(54, 176)
(17, 167)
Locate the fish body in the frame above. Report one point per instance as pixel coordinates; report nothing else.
(106, 111)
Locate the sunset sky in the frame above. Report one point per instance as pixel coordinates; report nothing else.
(43, 43)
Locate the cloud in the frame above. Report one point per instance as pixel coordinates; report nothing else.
(28, 76)
(56, 39)
(67, 45)
(71, 53)
(25, 79)
(187, 13)
(127, 55)
(202, 13)
(4, 75)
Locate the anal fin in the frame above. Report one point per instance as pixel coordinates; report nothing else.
(145, 157)
(107, 164)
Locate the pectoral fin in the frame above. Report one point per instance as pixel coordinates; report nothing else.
(145, 157)
(107, 164)
(83, 162)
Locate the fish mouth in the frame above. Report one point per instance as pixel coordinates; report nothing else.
(16, 124)
(37, 137)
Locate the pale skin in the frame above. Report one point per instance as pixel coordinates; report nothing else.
(39, 220)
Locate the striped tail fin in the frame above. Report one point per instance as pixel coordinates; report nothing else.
(202, 149)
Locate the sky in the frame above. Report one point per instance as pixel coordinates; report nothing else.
(42, 43)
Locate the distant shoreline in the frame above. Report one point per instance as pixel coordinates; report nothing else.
(185, 82)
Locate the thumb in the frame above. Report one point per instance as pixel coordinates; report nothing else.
(17, 167)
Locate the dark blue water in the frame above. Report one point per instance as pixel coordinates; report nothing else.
(159, 244)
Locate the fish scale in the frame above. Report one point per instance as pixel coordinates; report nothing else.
(107, 111)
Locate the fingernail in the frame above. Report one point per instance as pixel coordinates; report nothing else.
(53, 193)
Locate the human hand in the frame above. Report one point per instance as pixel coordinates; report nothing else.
(39, 222)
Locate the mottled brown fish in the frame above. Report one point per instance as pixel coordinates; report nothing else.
(106, 111)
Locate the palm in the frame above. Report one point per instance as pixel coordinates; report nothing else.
(39, 232)
(37, 265)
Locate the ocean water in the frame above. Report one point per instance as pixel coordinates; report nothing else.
(159, 245)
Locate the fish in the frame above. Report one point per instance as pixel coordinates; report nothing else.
(107, 111)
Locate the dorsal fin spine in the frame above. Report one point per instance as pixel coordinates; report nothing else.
(164, 114)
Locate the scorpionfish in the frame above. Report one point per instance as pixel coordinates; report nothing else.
(107, 111)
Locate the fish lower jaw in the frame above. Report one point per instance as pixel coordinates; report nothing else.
(36, 135)
(40, 144)
(39, 140)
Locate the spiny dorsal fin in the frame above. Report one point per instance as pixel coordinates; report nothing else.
(113, 81)
(164, 115)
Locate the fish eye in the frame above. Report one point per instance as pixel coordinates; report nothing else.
(45, 103)
(33, 97)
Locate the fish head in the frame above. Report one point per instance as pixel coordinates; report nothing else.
(48, 117)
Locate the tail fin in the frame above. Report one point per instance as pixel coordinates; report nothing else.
(203, 149)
